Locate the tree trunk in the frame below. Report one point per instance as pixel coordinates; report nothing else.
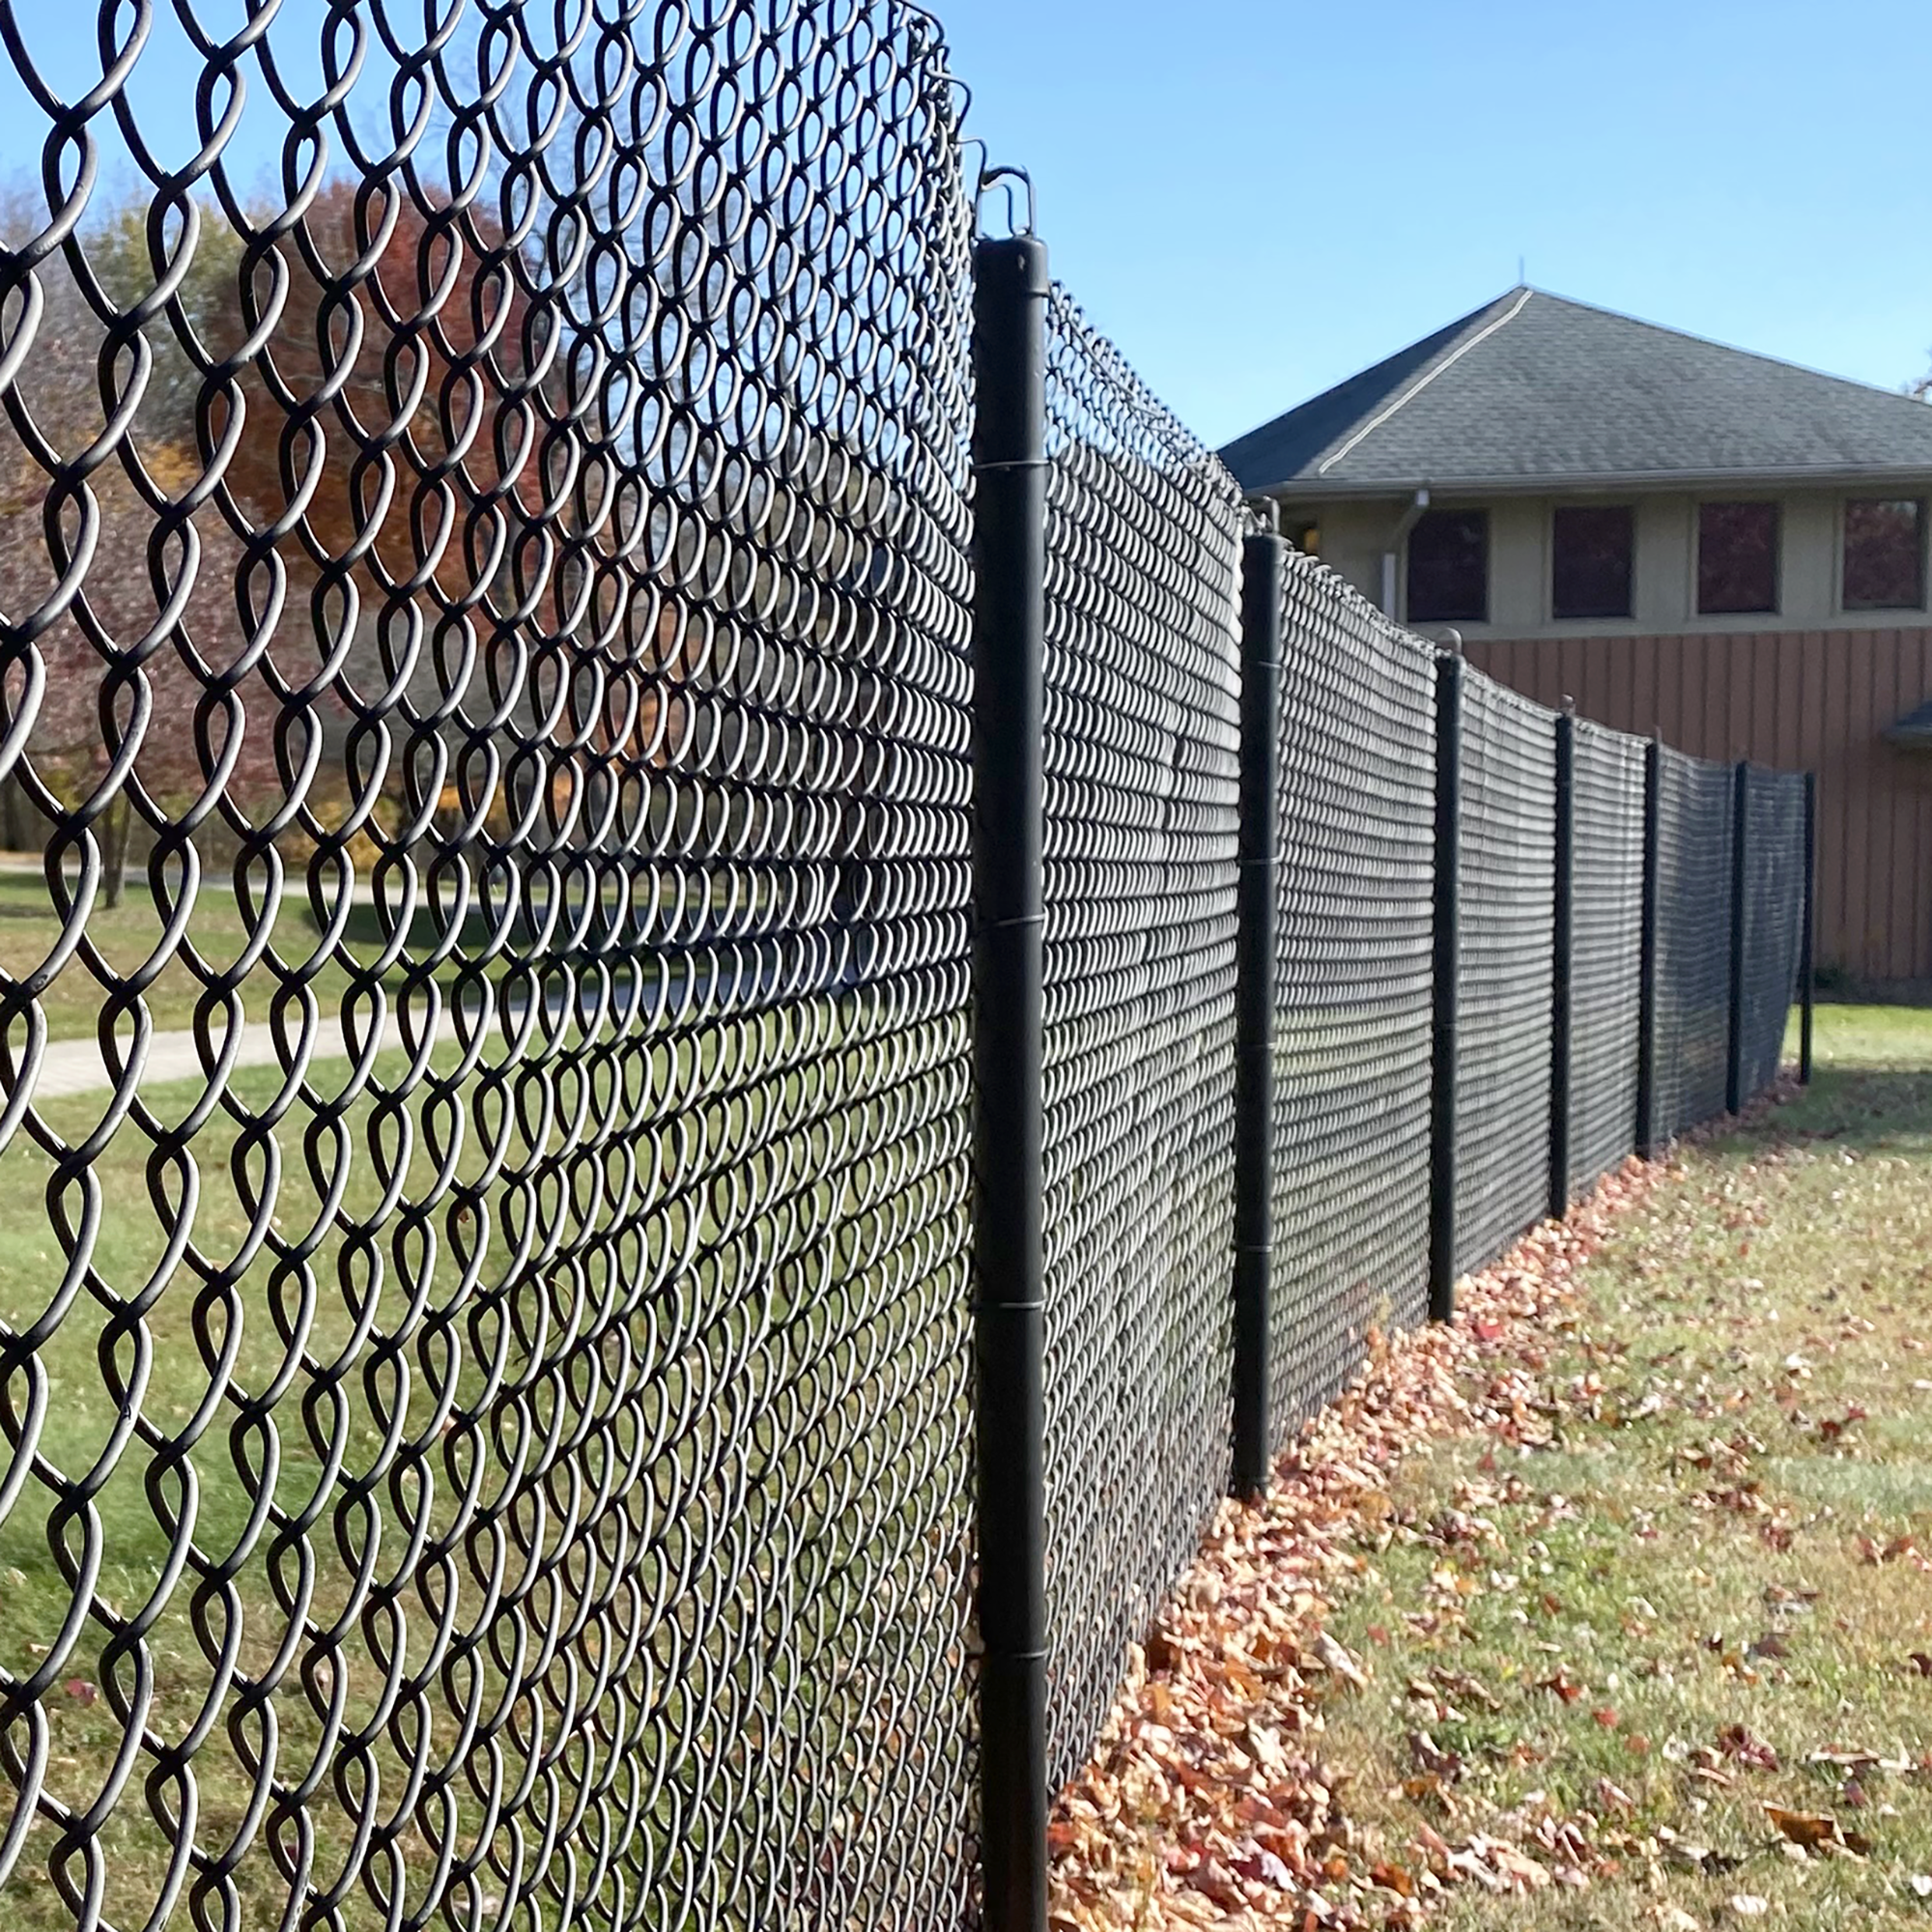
(13, 834)
(117, 827)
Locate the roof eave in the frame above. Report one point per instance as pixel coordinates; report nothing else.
(1649, 481)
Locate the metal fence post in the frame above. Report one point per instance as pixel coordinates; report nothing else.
(1808, 933)
(1562, 948)
(1448, 914)
(1646, 977)
(1734, 1046)
(1008, 718)
(1263, 564)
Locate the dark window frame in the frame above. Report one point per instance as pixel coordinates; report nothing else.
(1445, 609)
(1603, 610)
(1705, 601)
(1846, 600)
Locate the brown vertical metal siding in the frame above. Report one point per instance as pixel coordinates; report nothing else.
(1817, 700)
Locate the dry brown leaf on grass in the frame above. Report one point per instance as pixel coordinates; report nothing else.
(1335, 1657)
(1742, 1747)
(1815, 1832)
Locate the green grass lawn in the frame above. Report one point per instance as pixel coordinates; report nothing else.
(1687, 1578)
(127, 940)
(128, 937)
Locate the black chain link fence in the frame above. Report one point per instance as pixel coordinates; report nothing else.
(1352, 995)
(486, 1371)
(1694, 912)
(487, 1216)
(1772, 918)
(1606, 947)
(1143, 696)
(1508, 857)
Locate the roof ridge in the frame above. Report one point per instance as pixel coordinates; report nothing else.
(1422, 381)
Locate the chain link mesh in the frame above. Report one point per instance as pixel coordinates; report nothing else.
(1143, 683)
(1508, 892)
(485, 1364)
(1356, 851)
(1693, 939)
(1606, 949)
(1773, 914)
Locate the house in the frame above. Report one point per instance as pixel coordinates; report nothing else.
(1675, 535)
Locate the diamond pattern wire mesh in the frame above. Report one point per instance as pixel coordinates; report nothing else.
(1607, 946)
(1143, 682)
(1507, 889)
(485, 1364)
(1353, 978)
(1694, 928)
(1773, 919)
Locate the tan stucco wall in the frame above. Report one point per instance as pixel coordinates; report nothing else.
(1353, 536)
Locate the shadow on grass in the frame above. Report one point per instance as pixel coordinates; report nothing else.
(1862, 1107)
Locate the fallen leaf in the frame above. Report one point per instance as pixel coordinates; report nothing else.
(1459, 1683)
(1739, 1744)
(1564, 1686)
(1393, 1878)
(1335, 1657)
(1212, 1880)
(80, 1691)
(1807, 1829)
(1259, 1865)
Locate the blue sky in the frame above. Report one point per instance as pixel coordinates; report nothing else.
(1255, 198)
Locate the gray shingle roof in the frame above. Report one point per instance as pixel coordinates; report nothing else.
(1531, 388)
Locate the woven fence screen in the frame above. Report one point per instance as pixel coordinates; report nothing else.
(1355, 849)
(1773, 920)
(1607, 943)
(486, 1354)
(1693, 933)
(1507, 892)
(1143, 691)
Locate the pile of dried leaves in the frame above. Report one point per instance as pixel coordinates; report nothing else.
(1208, 1801)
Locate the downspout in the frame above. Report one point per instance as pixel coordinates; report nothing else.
(1405, 523)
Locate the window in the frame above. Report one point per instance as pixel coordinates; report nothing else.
(1449, 568)
(1737, 557)
(1590, 552)
(1884, 553)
